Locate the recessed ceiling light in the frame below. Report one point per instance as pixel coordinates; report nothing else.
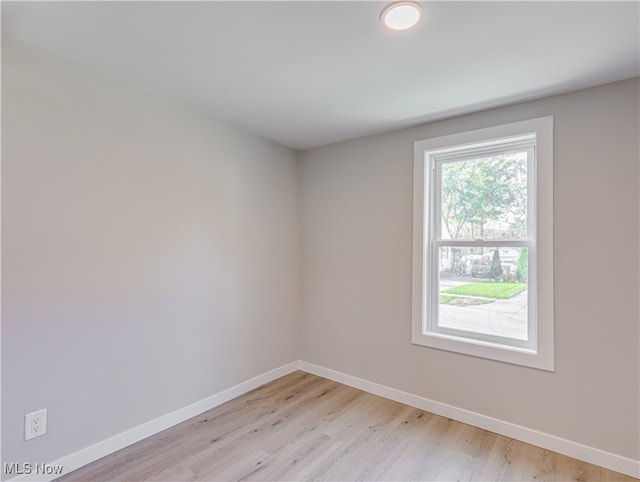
(401, 15)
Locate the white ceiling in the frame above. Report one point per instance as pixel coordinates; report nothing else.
(311, 73)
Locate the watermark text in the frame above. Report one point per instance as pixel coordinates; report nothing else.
(28, 469)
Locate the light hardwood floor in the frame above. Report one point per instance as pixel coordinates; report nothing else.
(304, 427)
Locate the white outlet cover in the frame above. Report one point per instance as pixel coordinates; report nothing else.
(35, 424)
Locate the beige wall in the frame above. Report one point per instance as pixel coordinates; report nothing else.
(356, 254)
(149, 255)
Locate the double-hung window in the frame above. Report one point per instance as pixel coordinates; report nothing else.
(483, 243)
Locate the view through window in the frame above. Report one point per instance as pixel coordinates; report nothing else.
(483, 286)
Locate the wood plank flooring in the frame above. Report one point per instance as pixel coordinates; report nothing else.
(304, 427)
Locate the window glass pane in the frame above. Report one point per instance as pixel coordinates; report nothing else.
(485, 198)
(484, 290)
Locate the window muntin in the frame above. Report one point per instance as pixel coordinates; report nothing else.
(479, 197)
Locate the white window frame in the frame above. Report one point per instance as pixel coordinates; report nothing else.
(538, 351)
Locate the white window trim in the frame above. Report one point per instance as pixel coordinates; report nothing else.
(540, 356)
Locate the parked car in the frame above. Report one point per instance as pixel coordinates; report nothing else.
(480, 268)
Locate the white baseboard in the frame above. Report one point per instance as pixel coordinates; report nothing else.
(98, 450)
(576, 450)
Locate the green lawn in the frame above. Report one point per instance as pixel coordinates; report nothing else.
(488, 289)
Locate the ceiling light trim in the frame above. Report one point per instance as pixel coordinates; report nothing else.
(402, 15)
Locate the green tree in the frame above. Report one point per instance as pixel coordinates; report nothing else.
(478, 190)
(521, 272)
(496, 265)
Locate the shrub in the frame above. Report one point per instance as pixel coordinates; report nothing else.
(521, 272)
(496, 265)
(507, 278)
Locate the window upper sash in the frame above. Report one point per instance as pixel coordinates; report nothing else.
(466, 152)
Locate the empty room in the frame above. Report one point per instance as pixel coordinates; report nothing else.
(325, 240)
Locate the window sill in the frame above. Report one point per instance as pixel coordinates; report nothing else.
(485, 349)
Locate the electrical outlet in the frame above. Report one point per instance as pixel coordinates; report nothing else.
(35, 424)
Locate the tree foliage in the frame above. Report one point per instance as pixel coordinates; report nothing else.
(521, 272)
(479, 190)
(496, 265)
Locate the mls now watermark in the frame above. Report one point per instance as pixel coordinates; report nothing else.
(28, 469)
